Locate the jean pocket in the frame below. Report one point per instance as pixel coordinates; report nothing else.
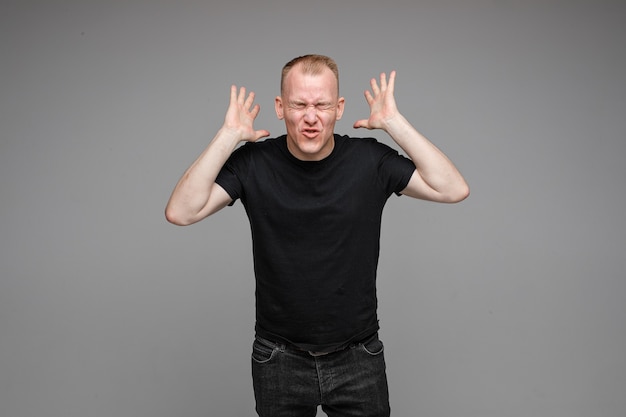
(373, 346)
(263, 351)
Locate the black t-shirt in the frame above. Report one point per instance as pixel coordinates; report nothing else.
(316, 233)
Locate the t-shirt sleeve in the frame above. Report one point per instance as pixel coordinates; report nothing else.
(231, 176)
(394, 170)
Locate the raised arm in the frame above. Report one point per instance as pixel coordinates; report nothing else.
(435, 177)
(196, 194)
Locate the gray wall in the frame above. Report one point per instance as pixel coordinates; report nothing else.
(511, 303)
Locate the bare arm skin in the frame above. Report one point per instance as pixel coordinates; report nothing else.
(196, 195)
(435, 177)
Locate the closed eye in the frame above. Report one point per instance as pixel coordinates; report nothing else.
(319, 106)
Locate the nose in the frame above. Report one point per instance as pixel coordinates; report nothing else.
(310, 114)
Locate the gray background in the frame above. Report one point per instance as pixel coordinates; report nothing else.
(511, 303)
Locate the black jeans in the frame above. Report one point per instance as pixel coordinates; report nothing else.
(291, 383)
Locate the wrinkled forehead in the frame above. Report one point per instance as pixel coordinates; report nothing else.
(311, 86)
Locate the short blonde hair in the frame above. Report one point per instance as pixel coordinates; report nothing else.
(310, 64)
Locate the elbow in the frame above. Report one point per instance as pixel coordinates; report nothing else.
(454, 193)
(459, 194)
(175, 217)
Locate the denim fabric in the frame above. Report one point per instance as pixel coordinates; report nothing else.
(291, 383)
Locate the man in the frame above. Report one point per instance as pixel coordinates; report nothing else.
(314, 200)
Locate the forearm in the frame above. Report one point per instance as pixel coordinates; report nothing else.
(442, 179)
(191, 199)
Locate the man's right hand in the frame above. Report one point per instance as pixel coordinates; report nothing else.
(240, 116)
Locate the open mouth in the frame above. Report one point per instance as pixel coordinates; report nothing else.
(310, 133)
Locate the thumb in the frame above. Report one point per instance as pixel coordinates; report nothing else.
(361, 123)
(261, 134)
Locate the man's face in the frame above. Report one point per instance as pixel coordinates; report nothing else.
(310, 105)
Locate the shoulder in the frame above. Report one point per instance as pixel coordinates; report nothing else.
(251, 151)
(354, 141)
(363, 145)
(266, 145)
(365, 142)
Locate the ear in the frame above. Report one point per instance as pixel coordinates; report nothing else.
(340, 105)
(278, 106)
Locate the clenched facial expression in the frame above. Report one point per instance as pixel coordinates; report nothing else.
(310, 105)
